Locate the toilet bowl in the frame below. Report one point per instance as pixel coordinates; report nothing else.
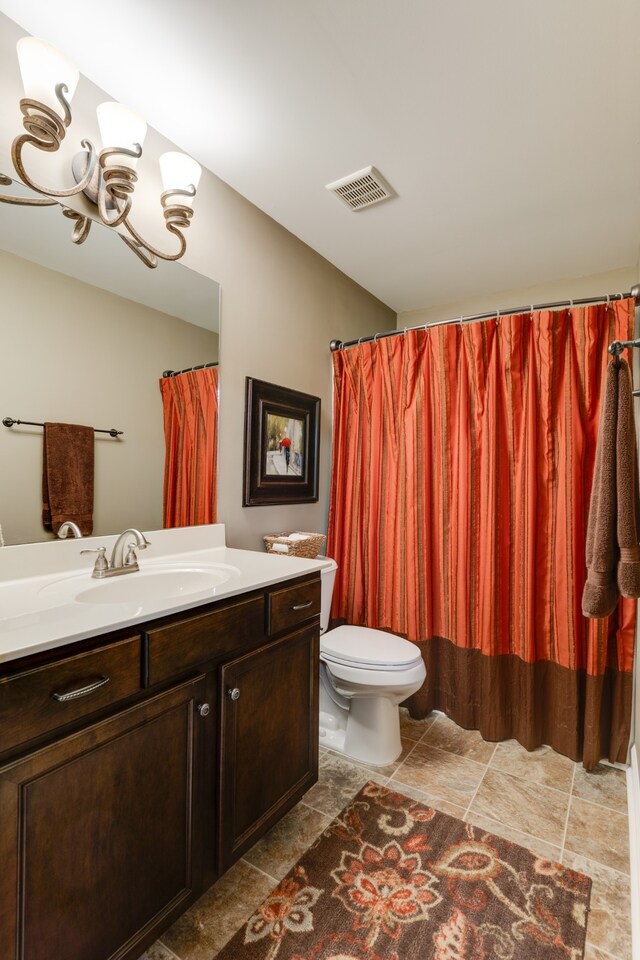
(364, 675)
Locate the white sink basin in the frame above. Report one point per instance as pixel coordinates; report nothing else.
(151, 583)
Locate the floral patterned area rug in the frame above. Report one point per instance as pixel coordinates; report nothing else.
(392, 879)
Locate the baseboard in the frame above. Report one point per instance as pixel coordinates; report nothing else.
(633, 794)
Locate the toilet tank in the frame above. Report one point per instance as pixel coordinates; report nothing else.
(328, 576)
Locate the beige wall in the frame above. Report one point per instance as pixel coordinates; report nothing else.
(281, 305)
(74, 353)
(615, 281)
(281, 302)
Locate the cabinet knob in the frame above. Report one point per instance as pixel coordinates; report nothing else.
(203, 709)
(233, 694)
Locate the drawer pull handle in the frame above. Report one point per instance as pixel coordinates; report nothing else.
(80, 691)
(203, 709)
(302, 606)
(233, 694)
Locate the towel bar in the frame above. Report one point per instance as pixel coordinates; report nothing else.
(10, 422)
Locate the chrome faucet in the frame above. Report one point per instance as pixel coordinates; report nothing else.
(120, 562)
(69, 527)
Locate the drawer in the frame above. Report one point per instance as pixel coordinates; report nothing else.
(39, 701)
(183, 644)
(293, 605)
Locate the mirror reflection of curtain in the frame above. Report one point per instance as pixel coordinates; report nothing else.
(462, 466)
(190, 403)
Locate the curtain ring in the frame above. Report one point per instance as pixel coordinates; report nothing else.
(460, 323)
(531, 312)
(497, 318)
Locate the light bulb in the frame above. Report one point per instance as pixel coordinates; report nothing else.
(43, 67)
(120, 127)
(179, 172)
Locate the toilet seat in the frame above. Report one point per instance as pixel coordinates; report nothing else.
(368, 649)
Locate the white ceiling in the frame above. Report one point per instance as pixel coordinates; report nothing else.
(510, 129)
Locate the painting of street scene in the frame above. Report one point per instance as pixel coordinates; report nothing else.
(285, 446)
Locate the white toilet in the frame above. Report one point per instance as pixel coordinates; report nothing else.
(364, 675)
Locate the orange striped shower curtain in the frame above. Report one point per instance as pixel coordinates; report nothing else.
(190, 404)
(462, 466)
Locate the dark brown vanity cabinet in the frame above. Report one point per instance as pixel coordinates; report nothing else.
(120, 805)
(269, 737)
(97, 832)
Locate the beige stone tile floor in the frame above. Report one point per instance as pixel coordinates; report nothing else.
(540, 800)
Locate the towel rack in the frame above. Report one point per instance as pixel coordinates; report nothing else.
(616, 348)
(10, 422)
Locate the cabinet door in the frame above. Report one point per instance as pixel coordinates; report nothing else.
(97, 833)
(269, 737)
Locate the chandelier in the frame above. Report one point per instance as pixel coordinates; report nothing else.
(106, 177)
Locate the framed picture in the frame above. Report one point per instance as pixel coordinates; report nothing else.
(281, 444)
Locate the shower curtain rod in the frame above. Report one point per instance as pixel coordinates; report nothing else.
(635, 293)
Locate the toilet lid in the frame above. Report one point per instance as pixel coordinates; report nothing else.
(366, 647)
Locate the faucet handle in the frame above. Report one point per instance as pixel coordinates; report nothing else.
(101, 565)
(141, 543)
(131, 559)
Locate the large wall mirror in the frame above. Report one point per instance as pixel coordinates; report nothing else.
(86, 334)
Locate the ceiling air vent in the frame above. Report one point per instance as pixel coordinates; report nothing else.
(362, 189)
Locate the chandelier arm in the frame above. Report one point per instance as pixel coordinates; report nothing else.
(123, 206)
(46, 130)
(82, 225)
(147, 258)
(27, 201)
(172, 228)
(118, 184)
(16, 156)
(61, 89)
(135, 152)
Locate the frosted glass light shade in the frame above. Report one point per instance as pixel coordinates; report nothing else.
(42, 67)
(120, 127)
(178, 172)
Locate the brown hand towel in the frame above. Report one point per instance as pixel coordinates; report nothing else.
(613, 556)
(600, 593)
(628, 492)
(67, 476)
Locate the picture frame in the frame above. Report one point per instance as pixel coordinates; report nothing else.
(281, 445)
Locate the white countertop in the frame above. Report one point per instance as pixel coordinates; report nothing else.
(36, 614)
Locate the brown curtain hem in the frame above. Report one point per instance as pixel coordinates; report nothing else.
(582, 717)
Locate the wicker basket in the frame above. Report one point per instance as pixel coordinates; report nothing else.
(309, 548)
